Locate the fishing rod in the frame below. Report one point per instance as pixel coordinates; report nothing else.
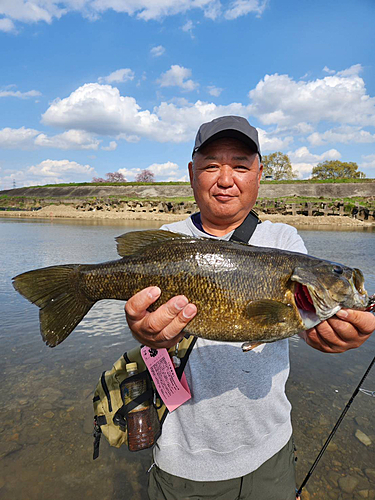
(308, 475)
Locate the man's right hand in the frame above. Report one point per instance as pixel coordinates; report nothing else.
(160, 328)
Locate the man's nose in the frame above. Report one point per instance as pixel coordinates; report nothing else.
(226, 177)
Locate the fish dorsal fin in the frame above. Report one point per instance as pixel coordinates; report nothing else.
(134, 241)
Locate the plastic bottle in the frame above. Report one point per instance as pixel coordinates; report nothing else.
(139, 420)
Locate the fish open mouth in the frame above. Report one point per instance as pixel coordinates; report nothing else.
(303, 298)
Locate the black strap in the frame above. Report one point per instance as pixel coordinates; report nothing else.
(120, 415)
(97, 435)
(244, 232)
(180, 369)
(179, 372)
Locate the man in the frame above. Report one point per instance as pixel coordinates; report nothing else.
(233, 438)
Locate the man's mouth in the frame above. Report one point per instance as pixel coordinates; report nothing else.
(223, 197)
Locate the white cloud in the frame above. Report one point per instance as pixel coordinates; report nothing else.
(296, 108)
(342, 98)
(129, 173)
(169, 168)
(18, 94)
(71, 139)
(188, 27)
(270, 142)
(118, 76)
(100, 109)
(7, 25)
(351, 71)
(48, 172)
(240, 8)
(177, 76)
(32, 11)
(60, 170)
(128, 137)
(28, 138)
(301, 128)
(95, 108)
(213, 10)
(167, 171)
(369, 162)
(111, 147)
(304, 155)
(303, 161)
(21, 138)
(215, 91)
(345, 134)
(157, 51)
(329, 71)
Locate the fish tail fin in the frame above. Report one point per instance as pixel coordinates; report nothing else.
(56, 292)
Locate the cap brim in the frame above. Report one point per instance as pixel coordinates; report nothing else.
(232, 133)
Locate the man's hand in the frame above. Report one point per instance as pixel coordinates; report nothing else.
(160, 328)
(346, 330)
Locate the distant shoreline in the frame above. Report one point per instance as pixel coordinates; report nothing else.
(64, 211)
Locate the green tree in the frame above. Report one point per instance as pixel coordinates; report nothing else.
(335, 169)
(278, 165)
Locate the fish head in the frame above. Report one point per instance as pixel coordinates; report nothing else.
(323, 288)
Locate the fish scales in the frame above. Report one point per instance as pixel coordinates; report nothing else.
(242, 292)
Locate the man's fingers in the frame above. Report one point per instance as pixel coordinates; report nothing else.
(173, 316)
(173, 328)
(136, 306)
(363, 321)
(162, 327)
(347, 330)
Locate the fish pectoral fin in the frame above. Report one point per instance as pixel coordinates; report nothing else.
(135, 241)
(249, 346)
(268, 312)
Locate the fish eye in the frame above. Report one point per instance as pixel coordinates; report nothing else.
(338, 270)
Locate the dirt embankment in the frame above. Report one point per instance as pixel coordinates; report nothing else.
(136, 202)
(168, 191)
(65, 211)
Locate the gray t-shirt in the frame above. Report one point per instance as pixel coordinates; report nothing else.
(238, 416)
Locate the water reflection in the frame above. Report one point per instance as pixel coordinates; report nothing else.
(45, 402)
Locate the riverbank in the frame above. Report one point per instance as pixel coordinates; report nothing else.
(65, 211)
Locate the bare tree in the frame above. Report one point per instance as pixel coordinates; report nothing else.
(115, 177)
(145, 176)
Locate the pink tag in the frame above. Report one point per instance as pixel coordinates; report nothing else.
(173, 392)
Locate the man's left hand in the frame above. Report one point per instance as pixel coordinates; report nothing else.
(346, 330)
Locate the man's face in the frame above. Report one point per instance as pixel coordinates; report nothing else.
(225, 177)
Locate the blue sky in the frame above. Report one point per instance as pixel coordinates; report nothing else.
(95, 86)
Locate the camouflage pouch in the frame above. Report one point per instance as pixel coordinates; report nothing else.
(109, 406)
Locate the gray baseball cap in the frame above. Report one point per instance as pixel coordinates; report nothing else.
(227, 126)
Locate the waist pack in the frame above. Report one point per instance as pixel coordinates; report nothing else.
(110, 410)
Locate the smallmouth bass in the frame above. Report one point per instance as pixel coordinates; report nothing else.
(243, 293)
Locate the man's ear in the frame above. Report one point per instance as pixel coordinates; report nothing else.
(260, 174)
(191, 173)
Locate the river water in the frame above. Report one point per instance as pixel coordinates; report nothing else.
(45, 398)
